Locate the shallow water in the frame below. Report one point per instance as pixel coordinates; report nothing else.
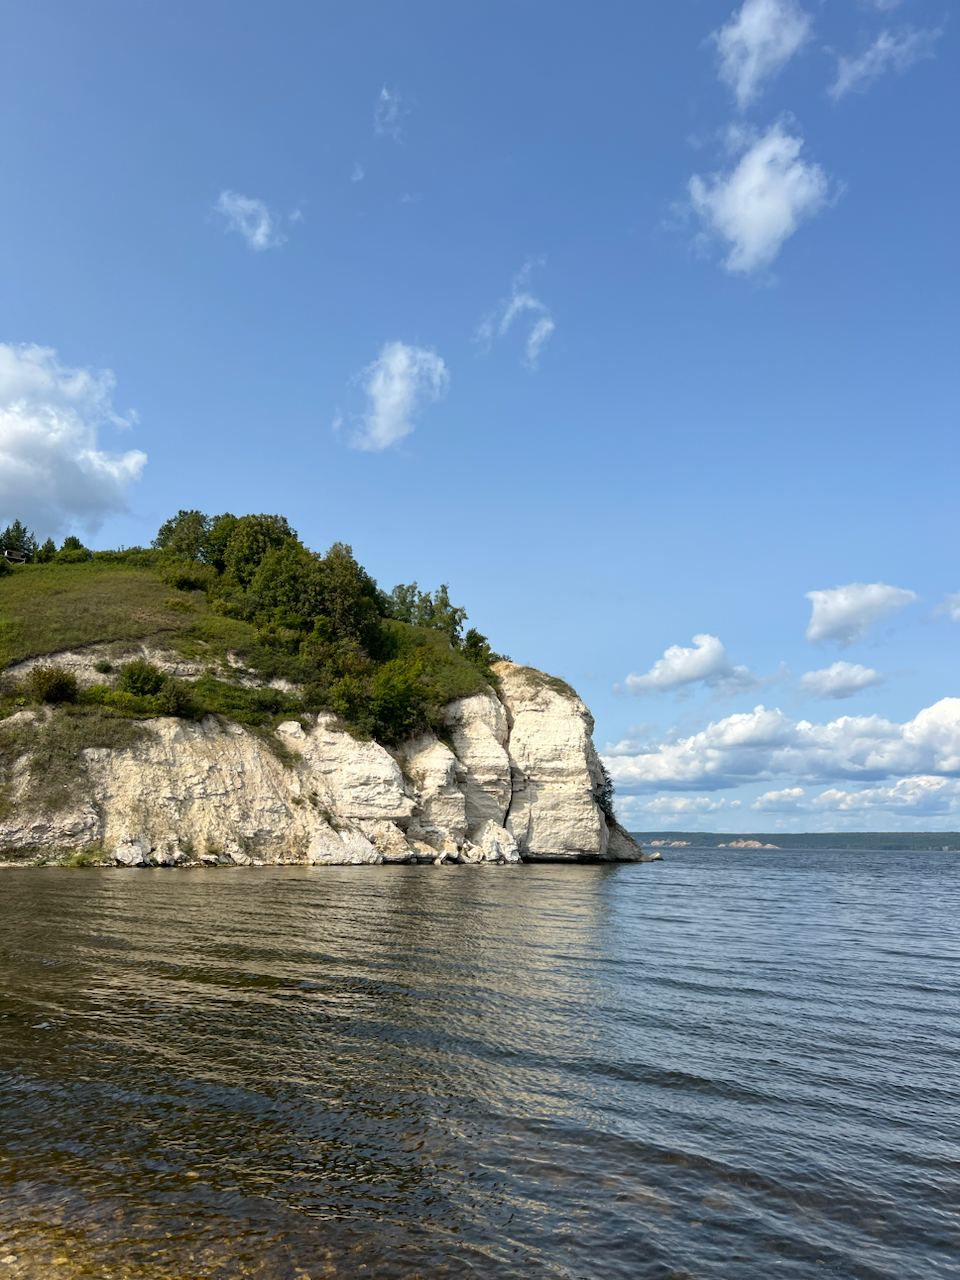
(728, 1065)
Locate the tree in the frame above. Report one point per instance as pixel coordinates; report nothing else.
(73, 551)
(46, 553)
(252, 537)
(17, 537)
(288, 587)
(603, 792)
(184, 534)
(476, 647)
(351, 598)
(408, 603)
(218, 535)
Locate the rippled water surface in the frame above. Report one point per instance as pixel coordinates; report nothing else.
(727, 1065)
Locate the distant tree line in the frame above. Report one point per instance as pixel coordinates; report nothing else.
(19, 540)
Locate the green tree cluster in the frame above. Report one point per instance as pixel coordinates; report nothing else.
(18, 538)
(323, 622)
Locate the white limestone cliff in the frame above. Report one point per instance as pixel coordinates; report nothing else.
(517, 779)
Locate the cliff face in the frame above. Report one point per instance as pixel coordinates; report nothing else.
(517, 778)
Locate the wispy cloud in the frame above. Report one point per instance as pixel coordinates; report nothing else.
(53, 471)
(520, 302)
(389, 114)
(397, 384)
(251, 219)
(951, 607)
(758, 42)
(892, 51)
(840, 680)
(844, 614)
(706, 662)
(357, 173)
(754, 207)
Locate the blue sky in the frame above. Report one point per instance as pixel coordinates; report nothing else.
(634, 323)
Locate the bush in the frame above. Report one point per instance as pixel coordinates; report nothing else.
(103, 666)
(187, 575)
(73, 556)
(52, 684)
(176, 699)
(4, 566)
(140, 678)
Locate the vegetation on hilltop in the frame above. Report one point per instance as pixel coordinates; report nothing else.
(247, 586)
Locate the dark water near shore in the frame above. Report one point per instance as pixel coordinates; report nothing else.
(735, 1065)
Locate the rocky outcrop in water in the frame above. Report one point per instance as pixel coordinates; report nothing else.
(516, 778)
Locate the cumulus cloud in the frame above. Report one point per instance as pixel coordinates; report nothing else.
(53, 473)
(758, 42)
(251, 219)
(754, 207)
(397, 384)
(389, 114)
(844, 614)
(765, 743)
(705, 662)
(921, 795)
(784, 801)
(840, 680)
(634, 808)
(895, 51)
(520, 303)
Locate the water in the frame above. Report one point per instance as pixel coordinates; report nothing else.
(728, 1065)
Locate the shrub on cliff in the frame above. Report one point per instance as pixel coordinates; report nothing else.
(177, 699)
(52, 684)
(140, 678)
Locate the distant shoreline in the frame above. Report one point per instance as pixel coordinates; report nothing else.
(783, 842)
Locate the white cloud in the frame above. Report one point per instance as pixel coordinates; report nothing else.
(757, 42)
(53, 473)
(844, 614)
(680, 806)
(756, 206)
(357, 173)
(705, 662)
(784, 801)
(764, 743)
(840, 680)
(891, 51)
(951, 607)
(251, 219)
(389, 114)
(521, 302)
(921, 795)
(397, 383)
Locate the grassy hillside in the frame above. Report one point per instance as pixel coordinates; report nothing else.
(317, 623)
(45, 608)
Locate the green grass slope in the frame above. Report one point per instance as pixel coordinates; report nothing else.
(46, 608)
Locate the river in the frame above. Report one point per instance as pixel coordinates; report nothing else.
(729, 1065)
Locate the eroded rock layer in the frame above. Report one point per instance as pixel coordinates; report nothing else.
(516, 779)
